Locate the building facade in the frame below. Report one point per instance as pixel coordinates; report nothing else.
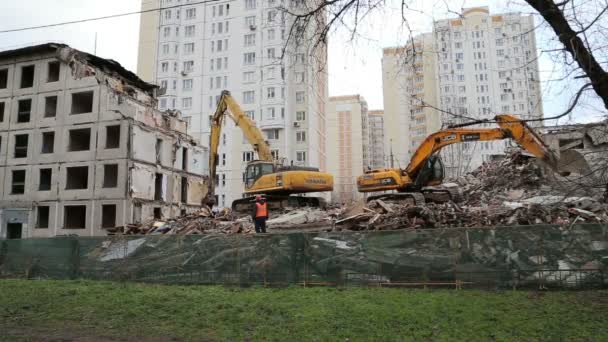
(347, 125)
(410, 98)
(83, 147)
(487, 65)
(480, 65)
(375, 120)
(200, 49)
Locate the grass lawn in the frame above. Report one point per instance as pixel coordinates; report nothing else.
(105, 311)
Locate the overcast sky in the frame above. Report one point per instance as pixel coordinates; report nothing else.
(354, 66)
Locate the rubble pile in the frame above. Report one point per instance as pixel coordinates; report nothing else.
(513, 191)
(203, 222)
(516, 190)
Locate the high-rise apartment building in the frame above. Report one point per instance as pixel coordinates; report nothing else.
(375, 122)
(199, 49)
(410, 98)
(487, 65)
(480, 65)
(347, 127)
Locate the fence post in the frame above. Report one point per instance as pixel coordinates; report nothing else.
(75, 258)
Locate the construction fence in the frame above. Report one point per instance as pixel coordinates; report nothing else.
(544, 256)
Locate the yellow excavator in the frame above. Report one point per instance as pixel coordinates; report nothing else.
(426, 169)
(279, 183)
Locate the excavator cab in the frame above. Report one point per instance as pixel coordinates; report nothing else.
(432, 172)
(257, 169)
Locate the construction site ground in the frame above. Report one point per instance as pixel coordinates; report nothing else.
(516, 190)
(83, 311)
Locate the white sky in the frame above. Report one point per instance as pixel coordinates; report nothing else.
(354, 66)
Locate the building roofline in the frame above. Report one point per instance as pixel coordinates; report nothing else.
(109, 66)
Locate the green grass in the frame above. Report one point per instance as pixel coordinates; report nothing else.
(106, 311)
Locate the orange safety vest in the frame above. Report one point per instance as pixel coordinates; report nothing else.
(261, 209)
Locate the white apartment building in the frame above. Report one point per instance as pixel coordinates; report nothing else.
(410, 98)
(487, 65)
(201, 48)
(375, 121)
(480, 65)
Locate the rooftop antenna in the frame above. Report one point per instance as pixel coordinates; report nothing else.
(95, 47)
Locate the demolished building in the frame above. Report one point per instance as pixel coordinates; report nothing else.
(83, 148)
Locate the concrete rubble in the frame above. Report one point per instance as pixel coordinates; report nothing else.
(516, 190)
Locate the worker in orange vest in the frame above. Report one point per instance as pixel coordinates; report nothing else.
(260, 214)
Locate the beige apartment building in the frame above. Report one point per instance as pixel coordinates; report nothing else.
(347, 145)
(194, 50)
(83, 147)
(410, 98)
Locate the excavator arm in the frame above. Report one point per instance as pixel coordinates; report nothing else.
(227, 106)
(510, 127)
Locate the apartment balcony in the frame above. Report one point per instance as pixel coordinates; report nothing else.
(277, 123)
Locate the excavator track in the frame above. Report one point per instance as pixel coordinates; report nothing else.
(245, 205)
(414, 198)
(441, 195)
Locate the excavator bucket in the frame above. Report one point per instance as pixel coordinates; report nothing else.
(572, 161)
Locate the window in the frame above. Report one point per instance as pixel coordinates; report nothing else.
(108, 215)
(27, 76)
(77, 178)
(110, 176)
(24, 110)
(48, 142)
(271, 15)
(249, 58)
(190, 13)
(168, 14)
(274, 154)
(18, 182)
(113, 136)
(3, 78)
(270, 52)
(188, 66)
(190, 30)
(79, 140)
(300, 116)
(82, 102)
(299, 77)
(50, 106)
(248, 97)
(188, 48)
(42, 220)
(270, 113)
(53, 71)
(249, 76)
(250, 22)
(301, 136)
(250, 4)
(249, 39)
(300, 97)
(2, 107)
(247, 156)
(164, 66)
(500, 52)
(21, 141)
(187, 84)
(75, 217)
(187, 102)
(270, 92)
(250, 114)
(166, 32)
(271, 34)
(184, 190)
(272, 134)
(301, 156)
(165, 49)
(44, 183)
